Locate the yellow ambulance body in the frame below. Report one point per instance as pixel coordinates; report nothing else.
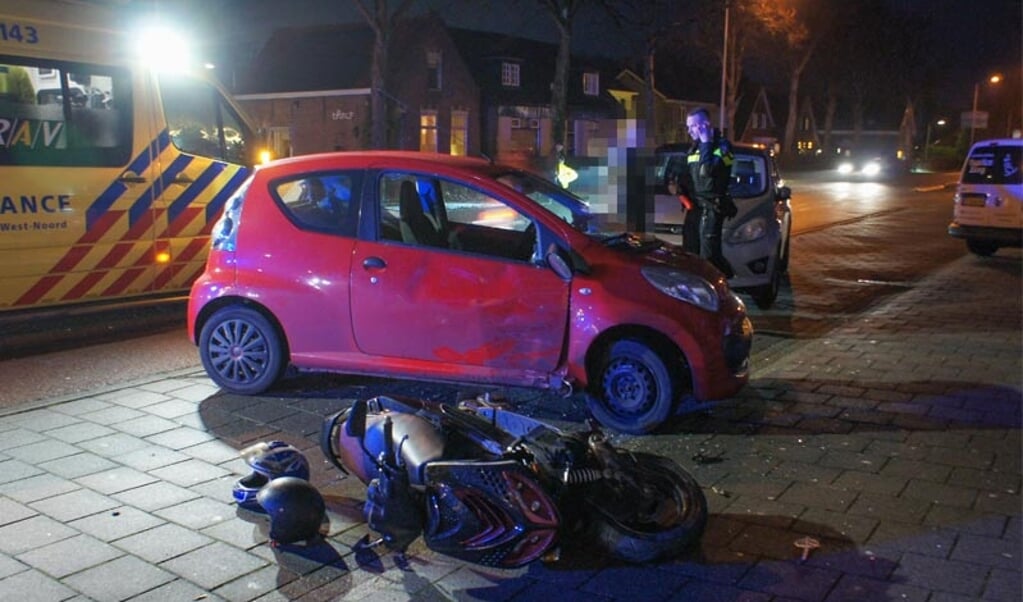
(111, 173)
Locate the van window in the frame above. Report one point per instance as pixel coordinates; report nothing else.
(994, 165)
(62, 113)
(200, 120)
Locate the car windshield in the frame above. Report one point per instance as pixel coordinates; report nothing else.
(749, 172)
(551, 197)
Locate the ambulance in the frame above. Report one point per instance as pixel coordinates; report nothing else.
(112, 171)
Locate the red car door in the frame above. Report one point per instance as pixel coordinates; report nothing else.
(422, 303)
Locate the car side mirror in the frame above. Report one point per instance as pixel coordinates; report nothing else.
(558, 263)
(784, 193)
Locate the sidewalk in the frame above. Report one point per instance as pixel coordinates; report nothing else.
(894, 441)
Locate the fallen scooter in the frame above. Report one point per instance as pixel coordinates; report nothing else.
(497, 488)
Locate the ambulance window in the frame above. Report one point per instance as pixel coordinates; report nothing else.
(200, 120)
(59, 113)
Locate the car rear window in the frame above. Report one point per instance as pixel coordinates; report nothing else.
(994, 165)
(320, 201)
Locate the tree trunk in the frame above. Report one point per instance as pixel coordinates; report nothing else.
(559, 91)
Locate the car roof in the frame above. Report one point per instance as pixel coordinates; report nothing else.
(385, 159)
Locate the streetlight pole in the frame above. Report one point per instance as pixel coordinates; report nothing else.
(724, 71)
(973, 114)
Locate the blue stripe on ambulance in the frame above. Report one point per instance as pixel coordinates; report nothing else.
(205, 178)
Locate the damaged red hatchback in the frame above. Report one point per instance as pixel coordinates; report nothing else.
(427, 266)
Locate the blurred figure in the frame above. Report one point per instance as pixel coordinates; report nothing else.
(16, 85)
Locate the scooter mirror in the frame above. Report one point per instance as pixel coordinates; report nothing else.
(355, 426)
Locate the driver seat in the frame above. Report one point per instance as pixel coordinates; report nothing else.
(416, 227)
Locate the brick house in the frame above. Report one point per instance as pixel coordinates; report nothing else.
(309, 88)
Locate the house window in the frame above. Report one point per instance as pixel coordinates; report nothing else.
(433, 70)
(459, 132)
(510, 75)
(591, 83)
(428, 131)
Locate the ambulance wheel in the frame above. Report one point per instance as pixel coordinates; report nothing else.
(242, 351)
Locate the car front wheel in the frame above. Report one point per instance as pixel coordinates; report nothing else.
(982, 248)
(241, 351)
(634, 390)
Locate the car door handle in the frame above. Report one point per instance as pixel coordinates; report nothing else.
(130, 177)
(182, 179)
(374, 263)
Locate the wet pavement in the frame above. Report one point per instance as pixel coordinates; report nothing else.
(893, 439)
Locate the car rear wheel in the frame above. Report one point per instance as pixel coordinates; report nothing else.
(635, 392)
(983, 248)
(241, 351)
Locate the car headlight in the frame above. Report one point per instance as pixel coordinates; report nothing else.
(753, 229)
(872, 168)
(845, 168)
(683, 286)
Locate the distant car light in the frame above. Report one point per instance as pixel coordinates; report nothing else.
(845, 168)
(872, 168)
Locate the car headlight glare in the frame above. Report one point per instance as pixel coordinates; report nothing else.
(872, 169)
(845, 168)
(683, 286)
(753, 229)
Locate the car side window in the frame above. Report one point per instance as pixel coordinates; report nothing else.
(434, 212)
(321, 201)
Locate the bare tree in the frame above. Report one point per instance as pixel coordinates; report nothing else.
(381, 20)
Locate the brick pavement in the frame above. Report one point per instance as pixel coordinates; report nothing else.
(894, 439)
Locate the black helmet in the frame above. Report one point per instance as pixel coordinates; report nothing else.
(268, 461)
(295, 507)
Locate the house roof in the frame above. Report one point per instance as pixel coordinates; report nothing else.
(317, 57)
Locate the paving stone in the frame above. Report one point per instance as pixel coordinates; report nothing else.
(77, 465)
(42, 451)
(1004, 585)
(10, 566)
(115, 480)
(43, 420)
(74, 504)
(70, 555)
(936, 493)
(241, 533)
(30, 533)
(114, 445)
(198, 513)
(892, 538)
(884, 507)
(790, 580)
(119, 579)
(856, 588)
(13, 470)
(79, 431)
(80, 406)
(135, 397)
(213, 565)
(171, 408)
(829, 498)
(214, 452)
(12, 512)
(162, 542)
(146, 425)
(111, 415)
(179, 589)
(151, 457)
(36, 488)
(941, 575)
(117, 523)
(155, 496)
(988, 551)
(189, 472)
(180, 438)
(33, 586)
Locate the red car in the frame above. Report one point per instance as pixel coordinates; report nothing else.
(428, 266)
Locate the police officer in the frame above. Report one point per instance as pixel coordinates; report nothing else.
(709, 174)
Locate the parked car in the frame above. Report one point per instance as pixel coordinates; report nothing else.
(988, 205)
(756, 240)
(428, 266)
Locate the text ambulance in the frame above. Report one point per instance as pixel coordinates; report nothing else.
(111, 173)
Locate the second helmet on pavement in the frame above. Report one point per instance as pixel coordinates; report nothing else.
(295, 507)
(268, 460)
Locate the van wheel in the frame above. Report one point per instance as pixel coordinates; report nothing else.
(635, 392)
(982, 248)
(241, 351)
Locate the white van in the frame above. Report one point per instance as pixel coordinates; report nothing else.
(988, 205)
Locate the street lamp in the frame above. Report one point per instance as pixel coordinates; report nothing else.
(994, 79)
